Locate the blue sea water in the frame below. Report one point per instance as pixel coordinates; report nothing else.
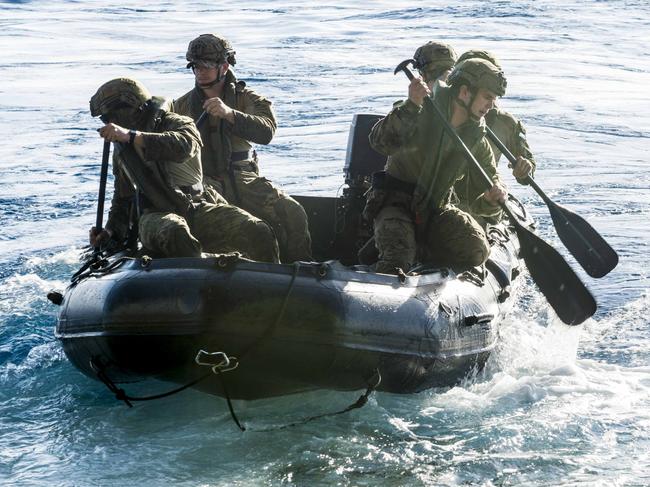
(555, 405)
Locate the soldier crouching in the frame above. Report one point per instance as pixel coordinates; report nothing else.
(413, 220)
(158, 152)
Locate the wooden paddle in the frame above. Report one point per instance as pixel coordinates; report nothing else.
(561, 286)
(589, 248)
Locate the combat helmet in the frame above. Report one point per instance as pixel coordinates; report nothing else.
(434, 58)
(210, 48)
(480, 54)
(121, 99)
(478, 73)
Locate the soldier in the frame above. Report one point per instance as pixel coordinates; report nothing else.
(413, 220)
(238, 117)
(157, 151)
(434, 61)
(508, 130)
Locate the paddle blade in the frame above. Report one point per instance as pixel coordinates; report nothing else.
(563, 289)
(591, 250)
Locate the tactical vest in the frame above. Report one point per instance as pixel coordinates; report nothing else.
(151, 178)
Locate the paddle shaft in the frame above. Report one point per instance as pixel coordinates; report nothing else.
(201, 119)
(563, 289)
(231, 175)
(101, 196)
(513, 160)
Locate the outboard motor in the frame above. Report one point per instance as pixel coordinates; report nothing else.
(337, 228)
(361, 160)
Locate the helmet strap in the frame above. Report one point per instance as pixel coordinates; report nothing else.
(468, 106)
(469, 109)
(217, 80)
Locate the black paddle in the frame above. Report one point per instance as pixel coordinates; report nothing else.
(589, 248)
(201, 119)
(99, 221)
(563, 289)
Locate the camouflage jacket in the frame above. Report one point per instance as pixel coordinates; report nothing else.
(171, 146)
(420, 152)
(254, 122)
(511, 132)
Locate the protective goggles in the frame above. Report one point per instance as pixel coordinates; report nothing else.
(202, 65)
(116, 113)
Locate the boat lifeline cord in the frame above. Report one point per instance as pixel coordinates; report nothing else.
(226, 363)
(373, 383)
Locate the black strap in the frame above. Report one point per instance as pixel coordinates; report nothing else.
(383, 180)
(240, 156)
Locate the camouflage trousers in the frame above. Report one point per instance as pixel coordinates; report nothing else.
(483, 221)
(260, 198)
(450, 238)
(215, 228)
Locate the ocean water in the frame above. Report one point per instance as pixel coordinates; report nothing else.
(554, 406)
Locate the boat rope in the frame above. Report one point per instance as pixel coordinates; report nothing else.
(228, 401)
(223, 364)
(269, 331)
(97, 260)
(121, 395)
(218, 369)
(374, 382)
(98, 267)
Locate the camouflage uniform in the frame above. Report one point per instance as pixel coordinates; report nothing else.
(170, 148)
(508, 130)
(230, 165)
(419, 224)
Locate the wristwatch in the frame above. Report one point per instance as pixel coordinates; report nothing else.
(132, 134)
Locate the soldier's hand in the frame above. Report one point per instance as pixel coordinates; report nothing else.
(522, 169)
(496, 194)
(114, 133)
(97, 238)
(217, 108)
(418, 90)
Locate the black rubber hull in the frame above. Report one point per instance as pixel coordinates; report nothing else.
(292, 328)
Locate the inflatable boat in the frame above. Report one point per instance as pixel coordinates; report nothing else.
(233, 327)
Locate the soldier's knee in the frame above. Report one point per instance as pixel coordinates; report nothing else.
(263, 241)
(261, 230)
(291, 214)
(395, 241)
(395, 232)
(177, 241)
(479, 253)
